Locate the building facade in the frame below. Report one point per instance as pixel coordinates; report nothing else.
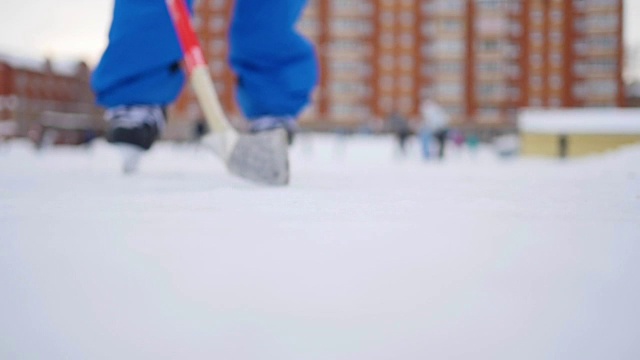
(482, 60)
(30, 87)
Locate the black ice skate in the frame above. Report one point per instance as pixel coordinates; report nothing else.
(134, 129)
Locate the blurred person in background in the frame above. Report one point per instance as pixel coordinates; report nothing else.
(473, 142)
(399, 126)
(458, 139)
(435, 121)
(425, 136)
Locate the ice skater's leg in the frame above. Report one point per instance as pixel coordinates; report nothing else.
(276, 67)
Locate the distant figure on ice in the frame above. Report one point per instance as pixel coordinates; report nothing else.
(435, 122)
(473, 142)
(400, 128)
(458, 139)
(425, 141)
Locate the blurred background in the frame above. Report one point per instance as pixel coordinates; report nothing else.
(483, 63)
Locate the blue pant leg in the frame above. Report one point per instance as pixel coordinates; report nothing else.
(425, 140)
(277, 68)
(140, 64)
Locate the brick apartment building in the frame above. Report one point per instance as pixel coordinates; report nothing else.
(30, 87)
(481, 59)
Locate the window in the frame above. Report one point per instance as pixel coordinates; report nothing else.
(216, 4)
(217, 23)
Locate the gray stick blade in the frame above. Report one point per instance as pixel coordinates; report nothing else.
(262, 157)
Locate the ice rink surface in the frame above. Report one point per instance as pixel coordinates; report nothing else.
(366, 255)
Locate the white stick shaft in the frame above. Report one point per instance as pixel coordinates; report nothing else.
(208, 99)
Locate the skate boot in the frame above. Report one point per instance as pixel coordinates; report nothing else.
(134, 129)
(266, 123)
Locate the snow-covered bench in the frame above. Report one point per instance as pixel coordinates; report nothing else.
(53, 123)
(577, 132)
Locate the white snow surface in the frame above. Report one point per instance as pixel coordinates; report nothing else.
(365, 255)
(617, 121)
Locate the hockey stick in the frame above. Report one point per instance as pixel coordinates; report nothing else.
(260, 157)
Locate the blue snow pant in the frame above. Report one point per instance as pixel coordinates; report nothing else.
(275, 66)
(425, 141)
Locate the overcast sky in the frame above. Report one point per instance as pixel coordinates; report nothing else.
(78, 28)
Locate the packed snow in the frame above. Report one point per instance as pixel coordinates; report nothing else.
(596, 121)
(366, 255)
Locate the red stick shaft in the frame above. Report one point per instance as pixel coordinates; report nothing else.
(187, 37)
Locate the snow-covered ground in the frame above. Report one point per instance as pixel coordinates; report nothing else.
(365, 256)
